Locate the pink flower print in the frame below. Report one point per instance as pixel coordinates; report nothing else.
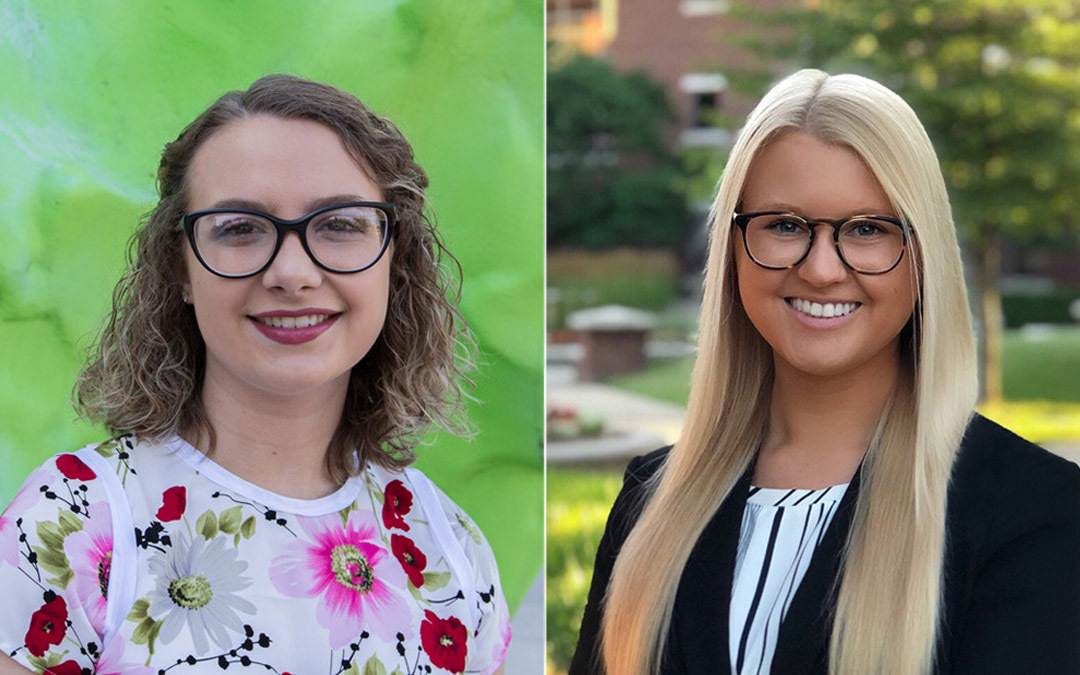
(498, 655)
(360, 584)
(26, 498)
(109, 663)
(89, 552)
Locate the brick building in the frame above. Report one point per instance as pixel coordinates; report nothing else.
(683, 44)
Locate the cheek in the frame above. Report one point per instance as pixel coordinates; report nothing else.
(744, 277)
(906, 291)
(754, 286)
(371, 297)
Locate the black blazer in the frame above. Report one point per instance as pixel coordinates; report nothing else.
(1012, 570)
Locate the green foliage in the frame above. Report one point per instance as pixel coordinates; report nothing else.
(247, 529)
(996, 84)
(374, 667)
(147, 630)
(578, 505)
(1045, 307)
(433, 581)
(50, 555)
(611, 179)
(207, 525)
(230, 520)
(42, 664)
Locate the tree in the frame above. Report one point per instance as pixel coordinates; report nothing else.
(611, 179)
(997, 86)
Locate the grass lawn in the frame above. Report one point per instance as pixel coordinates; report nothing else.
(1043, 367)
(1036, 368)
(577, 508)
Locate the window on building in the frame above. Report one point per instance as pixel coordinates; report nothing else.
(704, 7)
(706, 94)
(706, 106)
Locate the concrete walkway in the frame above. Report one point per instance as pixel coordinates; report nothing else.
(636, 424)
(525, 656)
(1068, 450)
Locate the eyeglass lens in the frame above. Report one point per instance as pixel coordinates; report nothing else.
(344, 240)
(867, 244)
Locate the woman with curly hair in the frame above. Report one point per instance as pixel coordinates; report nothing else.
(833, 504)
(285, 333)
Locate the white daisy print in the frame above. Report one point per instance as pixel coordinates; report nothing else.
(196, 585)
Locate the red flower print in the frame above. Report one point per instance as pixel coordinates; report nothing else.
(444, 642)
(66, 668)
(174, 501)
(47, 626)
(412, 559)
(73, 468)
(398, 502)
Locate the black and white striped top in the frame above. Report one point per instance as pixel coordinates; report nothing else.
(780, 531)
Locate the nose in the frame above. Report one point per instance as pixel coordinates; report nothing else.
(292, 269)
(823, 265)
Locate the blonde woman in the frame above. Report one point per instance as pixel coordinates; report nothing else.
(833, 504)
(285, 332)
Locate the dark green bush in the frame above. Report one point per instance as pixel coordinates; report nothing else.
(1048, 307)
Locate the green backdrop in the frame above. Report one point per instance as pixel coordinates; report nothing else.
(90, 95)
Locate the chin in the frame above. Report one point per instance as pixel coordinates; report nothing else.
(827, 366)
(296, 383)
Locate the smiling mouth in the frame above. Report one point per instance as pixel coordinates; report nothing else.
(293, 321)
(822, 310)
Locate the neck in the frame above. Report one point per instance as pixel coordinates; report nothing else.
(276, 442)
(821, 426)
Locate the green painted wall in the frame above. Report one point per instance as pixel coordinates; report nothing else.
(91, 93)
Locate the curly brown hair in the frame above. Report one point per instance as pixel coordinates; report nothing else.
(144, 370)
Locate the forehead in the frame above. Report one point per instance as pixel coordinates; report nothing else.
(282, 164)
(799, 172)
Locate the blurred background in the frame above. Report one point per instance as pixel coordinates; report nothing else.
(644, 100)
(90, 96)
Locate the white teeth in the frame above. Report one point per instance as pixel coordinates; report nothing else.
(826, 310)
(292, 321)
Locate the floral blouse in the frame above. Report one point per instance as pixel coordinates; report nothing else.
(135, 557)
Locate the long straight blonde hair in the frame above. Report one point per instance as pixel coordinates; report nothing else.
(886, 614)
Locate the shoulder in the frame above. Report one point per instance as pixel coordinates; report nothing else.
(994, 463)
(71, 480)
(412, 492)
(635, 493)
(56, 537)
(465, 529)
(1003, 486)
(641, 468)
(471, 561)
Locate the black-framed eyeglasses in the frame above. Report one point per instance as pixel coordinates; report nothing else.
(342, 238)
(778, 240)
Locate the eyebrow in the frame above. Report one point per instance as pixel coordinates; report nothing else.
(788, 208)
(314, 205)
